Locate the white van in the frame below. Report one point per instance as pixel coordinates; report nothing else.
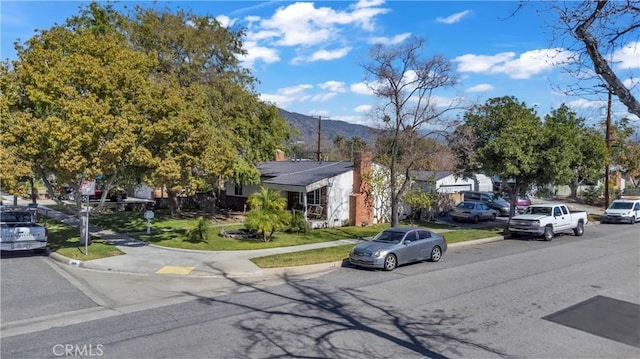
(622, 211)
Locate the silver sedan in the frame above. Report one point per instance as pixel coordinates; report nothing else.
(472, 211)
(398, 245)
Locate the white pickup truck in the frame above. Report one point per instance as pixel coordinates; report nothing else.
(19, 230)
(546, 220)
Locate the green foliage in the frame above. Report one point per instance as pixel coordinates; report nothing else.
(201, 231)
(591, 194)
(418, 200)
(297, 224)
(574, 152)
(267, 213)
(507, 140)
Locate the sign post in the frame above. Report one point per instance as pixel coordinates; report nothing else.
(87, 189)
(148, 215)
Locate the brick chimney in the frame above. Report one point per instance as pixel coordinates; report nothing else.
(361, 200)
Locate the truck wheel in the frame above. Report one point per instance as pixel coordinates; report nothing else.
(579, 230)
(548, 233)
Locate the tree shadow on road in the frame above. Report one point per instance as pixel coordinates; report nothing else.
(306, 319)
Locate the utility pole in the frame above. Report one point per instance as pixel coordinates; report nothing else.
(319, 153)
(608, 142)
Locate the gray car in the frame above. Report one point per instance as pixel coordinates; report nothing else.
(398, 245)
(473, 211)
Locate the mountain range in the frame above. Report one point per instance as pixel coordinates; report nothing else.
(307, 127)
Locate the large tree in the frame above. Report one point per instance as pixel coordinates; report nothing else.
(577, 152)
(502, 138)
(405, 82)
(77, 115)
(207, 123)
(602, 32)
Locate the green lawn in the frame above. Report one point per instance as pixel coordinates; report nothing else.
(65, 240)
(173, 232)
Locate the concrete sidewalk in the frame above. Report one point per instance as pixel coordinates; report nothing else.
(142, 258)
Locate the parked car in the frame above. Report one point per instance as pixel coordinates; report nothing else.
(20, 231)
(622, 211)
(397, 246)
(546, 220)
(522, 202)
(474, 211)
(502, 207)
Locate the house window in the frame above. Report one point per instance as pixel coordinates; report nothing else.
(238, 190)
(313, 197)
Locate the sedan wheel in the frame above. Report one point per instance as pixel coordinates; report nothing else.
(476, 219)
(493, 217)
(436, 254)
(390, 262)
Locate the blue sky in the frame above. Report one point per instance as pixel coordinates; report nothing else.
(306, 55)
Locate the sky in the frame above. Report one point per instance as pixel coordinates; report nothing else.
(308, 56)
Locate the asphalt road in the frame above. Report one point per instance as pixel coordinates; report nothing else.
(513, 298)
(33, 286)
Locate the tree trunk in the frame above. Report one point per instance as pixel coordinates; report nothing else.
(174, 204)
(574, 189)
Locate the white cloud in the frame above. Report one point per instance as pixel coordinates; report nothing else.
(368, 3)
(452, 19)
(629, 83)
(361, 88)
(628, 57)
(333, 86)
(225, 21)
(528, 64)
(358, 120)
(323, 97)
(323, 55)
(363, 108)
(255, 52)
(481, 63)
(389, 40)
(480, 88)
(288, 95)
(301, 23)
(582, 103)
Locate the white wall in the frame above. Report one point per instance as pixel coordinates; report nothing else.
(143, 191)
(338, 193)
(483, 183)
(451, 184)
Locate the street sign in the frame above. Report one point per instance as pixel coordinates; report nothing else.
(88, 188)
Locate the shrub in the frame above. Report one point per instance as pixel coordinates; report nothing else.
(201, 231)
(591, 194)
(297, 224)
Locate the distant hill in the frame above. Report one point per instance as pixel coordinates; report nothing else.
(308, 128)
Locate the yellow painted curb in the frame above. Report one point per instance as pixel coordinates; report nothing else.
(175, 270)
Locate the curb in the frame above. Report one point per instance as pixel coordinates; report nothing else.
(310, 270)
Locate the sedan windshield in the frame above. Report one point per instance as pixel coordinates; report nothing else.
(389, 237)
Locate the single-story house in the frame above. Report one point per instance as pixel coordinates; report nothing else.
(328, 193)
(448, 182)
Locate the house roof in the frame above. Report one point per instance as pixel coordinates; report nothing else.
(301, 173)
(430, 175)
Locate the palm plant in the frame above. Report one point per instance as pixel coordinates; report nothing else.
(267, 213)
